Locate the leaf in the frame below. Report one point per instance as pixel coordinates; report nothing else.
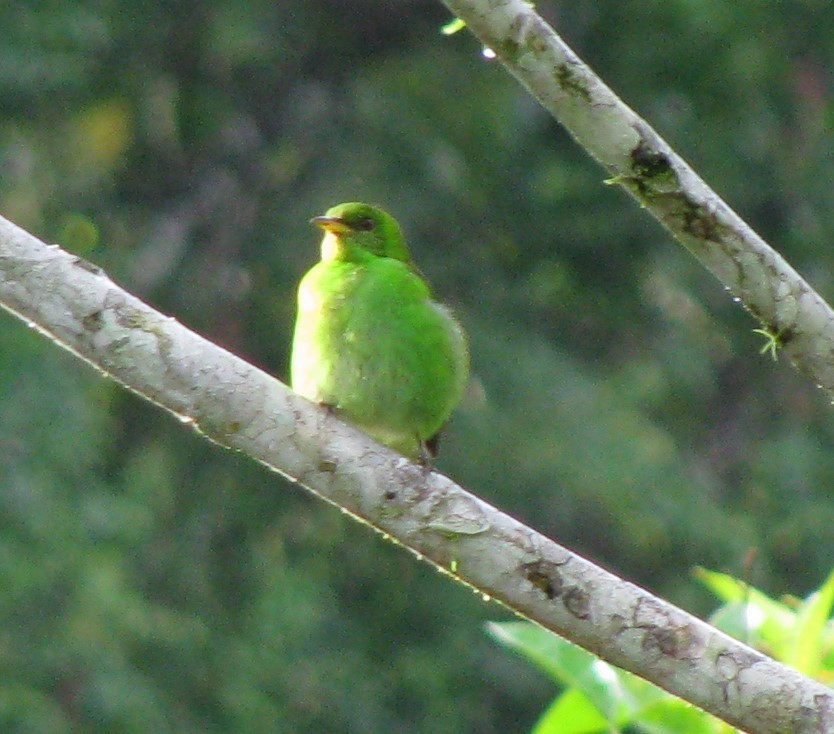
(453, 26)
(751, 616)
(811, 621)
(568, 665)
(571, 713)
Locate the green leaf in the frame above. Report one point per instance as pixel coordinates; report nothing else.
(773, 342)
(571, 666)
(619, 698)
(453, 26)
(671, 715)
(750, 615)
(571, 713)
(811, 621)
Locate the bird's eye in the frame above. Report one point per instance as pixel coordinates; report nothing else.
(365, 225)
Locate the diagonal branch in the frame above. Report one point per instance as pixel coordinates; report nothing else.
(243, 408)
(636, 157)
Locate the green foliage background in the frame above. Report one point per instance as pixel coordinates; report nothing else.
(152, 582)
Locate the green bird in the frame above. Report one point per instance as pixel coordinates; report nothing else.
(370, 340)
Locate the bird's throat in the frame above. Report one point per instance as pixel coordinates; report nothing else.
(333, 247)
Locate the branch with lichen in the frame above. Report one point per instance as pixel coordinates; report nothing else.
(240, 407)
(638, 159)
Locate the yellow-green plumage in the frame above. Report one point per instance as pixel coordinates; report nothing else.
(370, 340)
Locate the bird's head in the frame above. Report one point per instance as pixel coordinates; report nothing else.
(354, 230)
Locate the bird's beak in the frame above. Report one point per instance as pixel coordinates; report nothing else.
(336, 225)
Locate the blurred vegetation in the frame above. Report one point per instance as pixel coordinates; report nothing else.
(598, 698)
(152, 582)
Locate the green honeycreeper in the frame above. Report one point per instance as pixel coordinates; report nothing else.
(370, 341)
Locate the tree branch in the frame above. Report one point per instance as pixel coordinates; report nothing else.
(637, 158)
(241, 407)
